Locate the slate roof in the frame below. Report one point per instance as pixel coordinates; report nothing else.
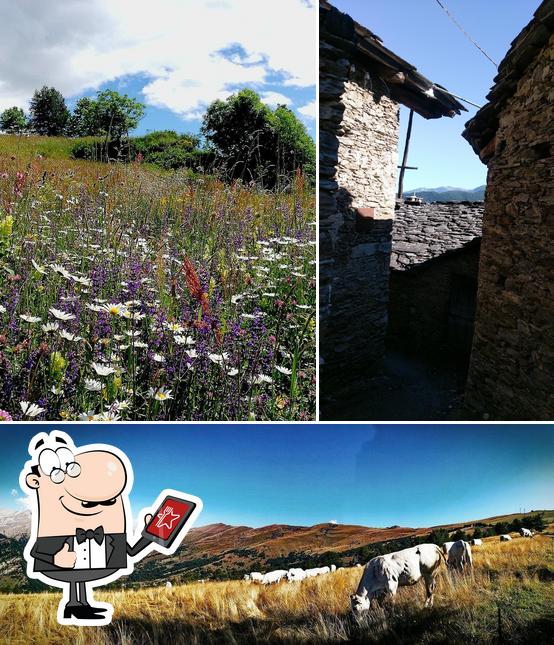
(406, 84)
(422, 233)
(482, 128)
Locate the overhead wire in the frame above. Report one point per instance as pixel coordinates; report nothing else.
(451, 16)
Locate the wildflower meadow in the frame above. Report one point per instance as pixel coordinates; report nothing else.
(128, 293)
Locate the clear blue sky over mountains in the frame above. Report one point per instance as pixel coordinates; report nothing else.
(420, 32)
(307, 474)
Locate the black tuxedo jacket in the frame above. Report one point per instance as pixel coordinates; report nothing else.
(117, 550)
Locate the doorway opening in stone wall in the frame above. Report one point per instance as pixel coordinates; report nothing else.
(435, 308)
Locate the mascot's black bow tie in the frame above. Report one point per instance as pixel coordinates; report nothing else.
(97, 534)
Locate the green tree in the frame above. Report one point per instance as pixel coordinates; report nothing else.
(477, 533)
(49, 113)
(439, 536)
(116, 114)
(254, 143)
(13, 120)
(84, 120)
(295, 147)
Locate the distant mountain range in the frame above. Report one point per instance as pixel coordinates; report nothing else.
(220, 551)
(448, 194)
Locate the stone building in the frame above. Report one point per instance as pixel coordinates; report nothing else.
(433, 282)
(511, 373)
(361, 85)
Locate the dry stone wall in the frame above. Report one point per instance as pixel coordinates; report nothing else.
(512, 364)
(434, 262)
(358, 158)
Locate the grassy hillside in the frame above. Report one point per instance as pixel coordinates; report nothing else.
(25, 148)
(510, 599)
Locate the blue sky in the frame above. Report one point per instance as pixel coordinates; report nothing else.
(422, 34)
(306, 474)
(176, 56)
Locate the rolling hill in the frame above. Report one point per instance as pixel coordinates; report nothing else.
(448, 194)
(220, 551)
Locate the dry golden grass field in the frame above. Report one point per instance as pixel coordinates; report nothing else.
(510, 599)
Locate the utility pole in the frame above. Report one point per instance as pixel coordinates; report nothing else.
(404, 165)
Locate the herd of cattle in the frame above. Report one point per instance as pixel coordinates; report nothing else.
(290, 575)
(383, 574)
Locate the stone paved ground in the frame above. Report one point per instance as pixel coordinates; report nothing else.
(407, 390)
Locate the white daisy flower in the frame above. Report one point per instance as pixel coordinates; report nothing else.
(102, 370)
(3, 309)
(30, 410)
(115, 309)
(61, 315)
(56, 390)
(175, 327)
(92, 385)
(283, 370)
(158, 358)
(110, 417)
(139, 344)
(86, 282)
(261, 378)
(38, 268)
(218, 358)
(88, 416)
(161, 394)
(68, 336)
(191, 353)
(30, 319)
(233, 372)
(96, 308)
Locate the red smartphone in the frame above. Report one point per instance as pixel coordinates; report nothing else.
(168, 520)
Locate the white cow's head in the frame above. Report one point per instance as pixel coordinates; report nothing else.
(360, 603)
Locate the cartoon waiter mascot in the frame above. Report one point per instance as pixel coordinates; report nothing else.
(80, 533)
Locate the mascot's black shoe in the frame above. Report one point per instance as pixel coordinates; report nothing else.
(80, 612)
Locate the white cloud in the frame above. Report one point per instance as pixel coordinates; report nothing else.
(14, 492)
(275, 98)
(27, 502)
(190, 51)
(309, 110)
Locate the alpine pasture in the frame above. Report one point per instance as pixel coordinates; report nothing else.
(127, 292)
(509, 598)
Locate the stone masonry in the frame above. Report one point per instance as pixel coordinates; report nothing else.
(511, 373)
(361, 85)
(358, 148)
(433, 285)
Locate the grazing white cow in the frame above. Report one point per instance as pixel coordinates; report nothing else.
(458, 555)
(254, 576)
(333, 568)
(505, 538)
(168, 584)
(272, 577)
(317, 571)
(385, 573)
(476, 542)
(526, 533)
(358, 566)
(295, 575)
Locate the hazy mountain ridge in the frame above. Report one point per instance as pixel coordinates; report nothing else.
(448, 194)
(224, 551)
